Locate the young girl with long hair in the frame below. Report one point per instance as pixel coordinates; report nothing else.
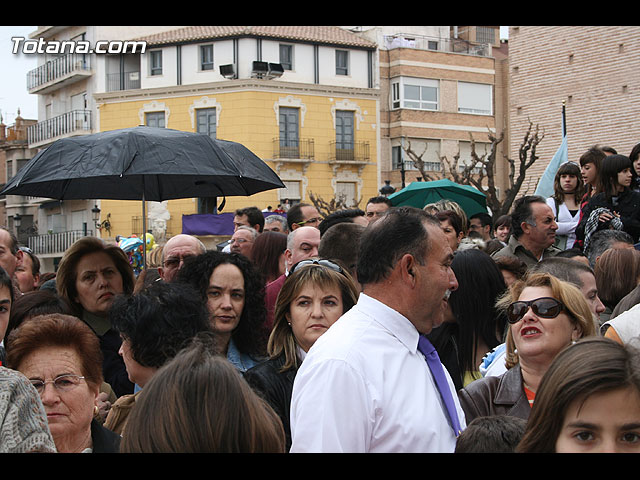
(616, 205)
(565, 203)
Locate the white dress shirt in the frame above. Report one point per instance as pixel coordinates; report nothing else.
(365, 387)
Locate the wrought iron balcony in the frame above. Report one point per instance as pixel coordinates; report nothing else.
(357, 152)
(56, 243)
(293, 149)
(60, 71)
(123, 81)
(75, 121)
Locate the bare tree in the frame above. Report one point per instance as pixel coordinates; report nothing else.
(481, 171)
(335, 204)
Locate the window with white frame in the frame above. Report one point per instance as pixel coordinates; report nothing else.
(475, 98)
(291, 190)
(481, 149)
(155, 62)
(415, 93)
(155, 119)
(206, 57)
(346, 191)
(428, 149)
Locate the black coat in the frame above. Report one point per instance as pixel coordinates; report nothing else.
(104, 440)
(627, 206)
(275, 387)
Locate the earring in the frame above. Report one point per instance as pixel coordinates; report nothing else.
(96, 410)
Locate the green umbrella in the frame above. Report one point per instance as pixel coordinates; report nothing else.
(419, 194)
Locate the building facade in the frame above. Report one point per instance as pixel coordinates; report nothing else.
(440, 86)
(593, 70)
(304, 99)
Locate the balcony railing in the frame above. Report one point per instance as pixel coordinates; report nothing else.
(423, 42)
(65, 124)
(294, 149)
(57, 69)
(356, 152)
(123, 81)
(56, 243)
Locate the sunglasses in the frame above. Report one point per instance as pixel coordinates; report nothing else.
(324, 263)
(310, 220)
(545, 307)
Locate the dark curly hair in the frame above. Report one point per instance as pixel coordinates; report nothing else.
(159, 321)
(250, 336)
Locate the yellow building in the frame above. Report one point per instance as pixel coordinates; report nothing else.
(304, 99)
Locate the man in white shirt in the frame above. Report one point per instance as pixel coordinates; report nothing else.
(364, 386)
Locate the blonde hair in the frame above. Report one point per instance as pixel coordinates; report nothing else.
(571, 297)
(445, 204)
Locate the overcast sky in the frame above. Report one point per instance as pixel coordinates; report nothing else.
(13, 77)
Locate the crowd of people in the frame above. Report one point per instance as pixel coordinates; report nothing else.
(389, 329)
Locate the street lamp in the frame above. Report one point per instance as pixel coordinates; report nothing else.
(96, 215)
(17, 220)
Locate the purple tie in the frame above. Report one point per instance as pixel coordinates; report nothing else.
(437, 370)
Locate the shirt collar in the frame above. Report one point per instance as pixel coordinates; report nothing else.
(393, 321)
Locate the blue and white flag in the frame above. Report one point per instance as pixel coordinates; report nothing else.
(545, 185)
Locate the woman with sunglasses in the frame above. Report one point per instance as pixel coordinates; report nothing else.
(61, 357)
(315, 294)
(545, 315)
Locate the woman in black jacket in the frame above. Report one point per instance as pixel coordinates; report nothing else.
(617, 205)
(315, 294)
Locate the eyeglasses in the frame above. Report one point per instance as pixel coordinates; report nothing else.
(63, 383)
(173, 262)
(324, 263)
(545, 307)
(310, 220)
(238, 240)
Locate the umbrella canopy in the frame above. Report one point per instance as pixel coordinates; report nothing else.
(419, 194)
(143, 163)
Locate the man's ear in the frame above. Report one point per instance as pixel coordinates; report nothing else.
(19, 258)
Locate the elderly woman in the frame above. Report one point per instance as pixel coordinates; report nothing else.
(199, 403)
(61, 357)
(89, 277)
(545, 315)
(588, 401)
(315, 294)
(155, 324)
(233, 291)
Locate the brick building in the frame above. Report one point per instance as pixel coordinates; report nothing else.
(593, 69)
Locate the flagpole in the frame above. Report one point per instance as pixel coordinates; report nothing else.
(564, 120)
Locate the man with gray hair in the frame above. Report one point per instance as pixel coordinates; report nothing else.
(533, 231)
(276, 223)
(605, 239)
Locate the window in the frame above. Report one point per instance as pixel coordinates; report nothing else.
(286, 56)
(476, 98)
(289, 127)
(206, 121)
(430, 150)
(342, 62)
(155, 119)
(155, 65)
(346, 191)
(485, 35)
(344, 135)
(206, 57)
(291, 190)
(415, 93)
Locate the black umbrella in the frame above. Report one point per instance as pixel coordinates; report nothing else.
(143, 163)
